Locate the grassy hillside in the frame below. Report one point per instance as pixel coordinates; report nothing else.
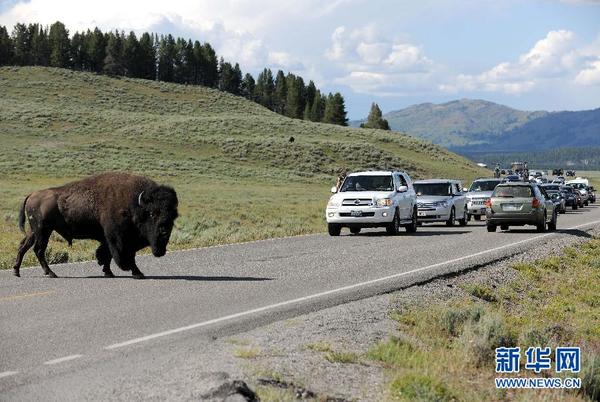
(237, 174)
(458, 123)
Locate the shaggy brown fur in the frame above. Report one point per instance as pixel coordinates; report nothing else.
(124, 212)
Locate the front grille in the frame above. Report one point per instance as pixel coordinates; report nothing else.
(358, 202)
(364, 214)
(425, 205)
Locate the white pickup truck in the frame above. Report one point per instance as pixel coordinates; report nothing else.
(373, 199)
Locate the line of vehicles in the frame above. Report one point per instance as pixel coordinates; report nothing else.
(392, 200)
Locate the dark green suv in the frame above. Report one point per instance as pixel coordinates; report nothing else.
(519, 204)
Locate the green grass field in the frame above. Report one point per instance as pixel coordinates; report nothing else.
(447, 353)
(237, 175)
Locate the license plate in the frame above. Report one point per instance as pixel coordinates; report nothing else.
(510, 207)
(355, 213)
(421, 214)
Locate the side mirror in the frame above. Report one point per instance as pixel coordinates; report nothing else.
(334, 189)
(402, 189)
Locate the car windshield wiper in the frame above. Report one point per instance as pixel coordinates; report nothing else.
(505, 196)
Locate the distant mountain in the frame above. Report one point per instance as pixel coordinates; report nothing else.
(470, 125)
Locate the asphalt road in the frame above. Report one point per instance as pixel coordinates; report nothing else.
(68, 338)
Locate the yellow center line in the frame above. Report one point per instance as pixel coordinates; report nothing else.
(26, 295)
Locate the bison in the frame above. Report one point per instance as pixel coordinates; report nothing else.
(124, 212)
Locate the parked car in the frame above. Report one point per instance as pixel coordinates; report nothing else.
(479, 192)
(581, 199)
(582, 186)
(441, 200)
(519, 204)
(572, 199)
(554, 191)
(373, 199)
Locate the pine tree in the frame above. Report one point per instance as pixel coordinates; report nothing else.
(310, 92)
(113, 62)
(280, 96)
(166, 59)
(248, 85)
(131, 56)
(210, 66)
(40, 47)
(296, 96)
(22, 45)
(60, 45)
(335, 110)
(230, 78)
(79, 52)
(6, 47)
(265, 88)
(317, 109)
(375, 119)
(147, 57)
(96, 48)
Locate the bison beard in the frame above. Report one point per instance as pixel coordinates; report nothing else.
(124, 212)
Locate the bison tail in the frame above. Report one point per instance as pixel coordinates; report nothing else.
(22, 215)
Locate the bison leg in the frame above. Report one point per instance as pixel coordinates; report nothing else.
(125, 260)
(25, 245)
(39, 247)
(103, 256)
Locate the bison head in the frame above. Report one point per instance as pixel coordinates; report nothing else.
(159, 211)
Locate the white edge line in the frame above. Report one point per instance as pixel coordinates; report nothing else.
(8, 373)
(63, 359)
(326, 293)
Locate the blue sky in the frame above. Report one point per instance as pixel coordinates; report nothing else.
(538, 54)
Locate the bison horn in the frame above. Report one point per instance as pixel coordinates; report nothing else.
(140, 199)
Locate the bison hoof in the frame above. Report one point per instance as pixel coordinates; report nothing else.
(51, 274)
(16, 272)
(109, 274)
(138, 275)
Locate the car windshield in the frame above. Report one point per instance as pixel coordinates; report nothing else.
(552, 188)
(487, 185)
(441, 189)
(513, 192)
(368, 183)
(578, 186)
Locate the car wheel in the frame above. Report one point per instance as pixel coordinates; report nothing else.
(452, 218)
(412, 228)
(394, 227)
(541, 227)
(503, 227)
(334, 229)
(575, 207)
(553, 222)
(586, 203)
(355, 230)
(491, 228)
(465, 218)
(477, 217)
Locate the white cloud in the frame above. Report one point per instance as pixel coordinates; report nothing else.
(370, 63)
(553, 57)
(589, 75)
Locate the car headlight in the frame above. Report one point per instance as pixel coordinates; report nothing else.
(333, 204)
(443, 204)
(384, 202)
